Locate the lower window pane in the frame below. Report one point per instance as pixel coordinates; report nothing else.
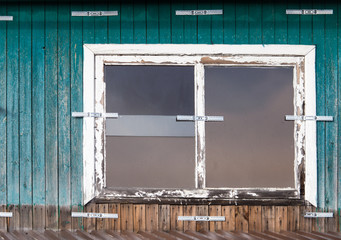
(253, 147)
(150, 162)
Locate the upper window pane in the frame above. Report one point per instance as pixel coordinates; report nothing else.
(254, 146)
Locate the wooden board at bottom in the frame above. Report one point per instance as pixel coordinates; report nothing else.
(51, 217)
(3, 220)
(39, 214)
(177, 210)
(14, 221)
(77, 222)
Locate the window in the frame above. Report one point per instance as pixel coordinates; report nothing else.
(148, 152)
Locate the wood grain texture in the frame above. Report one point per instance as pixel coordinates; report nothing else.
(115, 224)
(190, 210)
(152, 217)
(65, 218)
(127, 22)
(268, 218)
(164, 218)
(293, 218)
(165, 30)
(229, 22)
(140, 24)
(202, 210)
(281, 215)
(51, 217)
(139, 216)
(90, 223)
(77, 223)
(217, 24)
(242, 218)
(255, 218)
(177, 23)
(3, 221)
(26, 218)
(230, 218)
(127, 218)
(177, 210)
(13, 223)
(102, 223)
(215, 210)
(204, 24)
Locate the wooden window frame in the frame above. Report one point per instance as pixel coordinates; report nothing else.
(300, 57)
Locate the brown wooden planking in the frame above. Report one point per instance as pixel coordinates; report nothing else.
(14, 221)
(77, 222)
(268, 218)
(230, 218)
(163, 217)
(26, 217)
(306, 223)
(51, 217)
(202, 210)
(65, 218)
(177, 210)
(102, 223)
(3, 220)
(293, 218)
(127, 218)
(215, 210)
(90, 223)
(281, 218)
(242, 218)
(332, 224)
(139, 215)
(189, 210)
(152, 216)
(115, 224)
(319, 225)
(39, 214)
(255, 218)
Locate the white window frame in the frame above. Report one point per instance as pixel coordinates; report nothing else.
(300, 57)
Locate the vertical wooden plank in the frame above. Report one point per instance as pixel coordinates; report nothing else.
(204, 24)
(177, 210)
(64, 140)
(115, 224)
(242, 23)
(77, 223)
(268, 218)
(281, 216)
(217, 24)
(140, 23)
(331, 76)
(101, 25)
(281, 23)
(165, 14)
(318, 39)
(293, 218)
(177, 23)
(89, 25)
(51, 116)
(13, 223)
(229, 22)
(114, 25)
(255, 219)
(190, 210)
(152, 21)
(76, 123)
(242, 218)
(339, 120)
(127, 218)
(152, 217)
(90, 223)
(102, 223)
(127, 22)
(13, 115)
(332, 224)
(268, 20)
(139, 215)
(255, 22)
(38, 114)
(305, 223)
(215, 210)
(230, 218)
(190, 24)
(202, 210)
(164, 218)
(293, 24)
(3, 115)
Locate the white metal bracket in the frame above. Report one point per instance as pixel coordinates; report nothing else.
(309, 118)
(6, 214)
(202, 218)
(309, 11)
(200, 118)
(318, 215)
(94, 215)
(198, 12)
(6, 18)
(95, 115)
(93, 13)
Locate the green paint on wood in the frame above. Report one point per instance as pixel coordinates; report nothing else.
(255, 22)
(13, 106)
(190, 24)
(204, 25)
(152, 15)
(165, 22)
(177, 23)
(114, 26)
(217, 25)
(242, 23)
(293, 25)
(101, 25)
(140, 30)
(229, 23)
(76, 106)
(3, 107)
(306, 27)
(127, 22)
(51, 105)
(339, 117)
(281, 23)
(88, 26)
(64, 113)
(38, 102)
(268, 21)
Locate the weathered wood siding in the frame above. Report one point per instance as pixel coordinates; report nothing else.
(41, 84)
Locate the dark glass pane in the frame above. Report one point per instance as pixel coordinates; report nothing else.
(253, 147)
(150, 90)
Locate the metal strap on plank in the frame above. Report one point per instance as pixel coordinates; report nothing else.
(200, 118)
(309, 11)
(6, 18)
(201, 218)
(6, 214)
(94, 215)
(93, 114)
(309, 118)
(198, 12)
(93, 13)
(318, 215)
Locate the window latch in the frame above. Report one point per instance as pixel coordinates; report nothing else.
(309, 118)
(200, 118)
(94, 114)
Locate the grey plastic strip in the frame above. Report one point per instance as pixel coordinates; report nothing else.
(94, 215)
(201, 218)
(6, 18)
(93, 13)
(6, 214)
(93, 114)
(200, 118)
(309, 11)
(309, 118)
(318, 215)
(198, 12)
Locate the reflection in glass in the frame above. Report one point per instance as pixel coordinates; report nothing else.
(253, 147)
(146, 146)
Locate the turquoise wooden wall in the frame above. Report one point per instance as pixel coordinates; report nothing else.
(41, 80)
